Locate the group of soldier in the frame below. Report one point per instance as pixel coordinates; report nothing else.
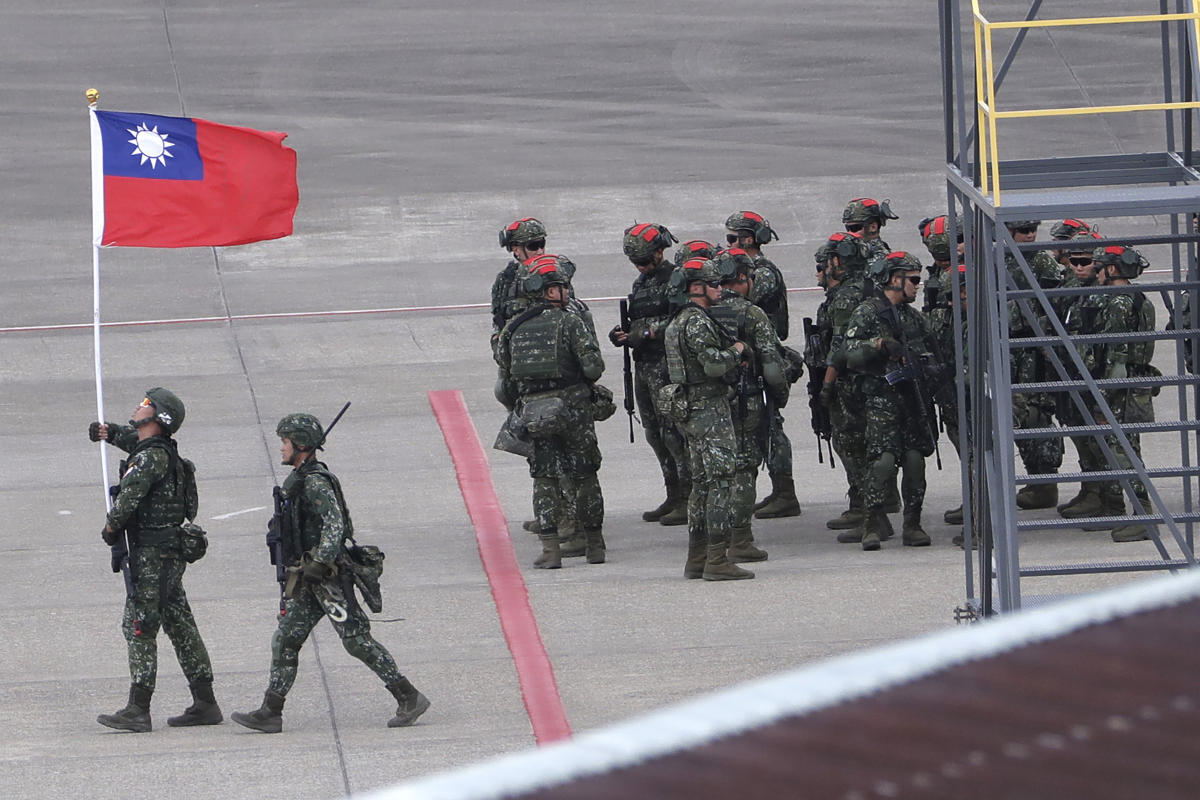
(710, 374)
(151, 530)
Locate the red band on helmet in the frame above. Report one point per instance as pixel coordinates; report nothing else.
(514, 225)
(842, 236)
(538, 262)
(696, 244)
(1114, 250)
(896, 254)
(650, 235)
(1076, 223)
(695, 263)
(750, 215)
(866, 201)
(737, 251)
(636, 230)
(936, 228)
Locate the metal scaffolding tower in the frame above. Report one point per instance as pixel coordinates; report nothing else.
(987, 192)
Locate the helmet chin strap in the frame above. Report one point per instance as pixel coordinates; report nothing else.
(139, 423)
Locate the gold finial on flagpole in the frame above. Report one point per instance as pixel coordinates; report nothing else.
(93, 96)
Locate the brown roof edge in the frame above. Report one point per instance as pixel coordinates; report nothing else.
(788, 695)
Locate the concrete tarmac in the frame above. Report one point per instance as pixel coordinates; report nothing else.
(422, 129)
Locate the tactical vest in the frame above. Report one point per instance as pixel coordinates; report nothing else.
(648, 300)
(537, 348)
(732, 317)
(775, 305)
(293, 488)
(158, 516)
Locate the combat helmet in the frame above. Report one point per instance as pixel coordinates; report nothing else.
(750, 221)
(694, 269)
(1129, 262)
(643, 240)
(733, 262)
(851, 250)
(168, 408)
(861, 210)
(694, 248)
(547, 270)
(881, 269)
(935, 233)
(304, 431)
(522, 231)
(1069, 229)
(1017, 224)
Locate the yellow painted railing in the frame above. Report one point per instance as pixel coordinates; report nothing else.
(985, 77)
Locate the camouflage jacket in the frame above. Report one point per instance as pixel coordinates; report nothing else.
(149, 498)
(698, 351)
(1049, 274)
(649, 314)
(319, 513)
(1125, 312)
(872, 323)
(877, 249)
(841, 301)
(770, 294)
(506, 300)
(749, 324)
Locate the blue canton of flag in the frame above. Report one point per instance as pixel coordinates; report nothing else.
(150, 146)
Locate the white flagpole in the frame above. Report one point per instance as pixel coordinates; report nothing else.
(93, 96)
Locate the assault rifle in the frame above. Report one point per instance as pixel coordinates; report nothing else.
(627, 365)
(283, 540)
(122, 551)
(815, 358)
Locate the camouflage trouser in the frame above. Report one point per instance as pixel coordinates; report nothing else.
(1034, 411)
(567, 463)
(159, 600)
(896, 438)
(1127, 406)
(779, 451)
(749, 459)
(664, 438)
(849, 439)
(712, 449)
(300, 615)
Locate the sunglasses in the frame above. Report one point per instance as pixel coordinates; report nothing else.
(1081, 261)
(713, 284)
(733, 238)
(1025, 230)
(854, 227)
(915, 280)
(536, 244)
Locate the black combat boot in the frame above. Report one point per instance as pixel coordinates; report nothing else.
(595, 546)
(912, 534)
(876, 528)
(718, 567)
(411, 703)
(742, 548)
(784, 504)
(550, 558)
(1038, 495)
(696, 556)
(268, 718)
(571, 546)
(135, 716)
(203, 710)
(655, 514)
(678, 513)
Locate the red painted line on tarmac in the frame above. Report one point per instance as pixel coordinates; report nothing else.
(535, 673)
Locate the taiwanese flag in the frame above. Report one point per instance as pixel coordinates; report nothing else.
(183, 182)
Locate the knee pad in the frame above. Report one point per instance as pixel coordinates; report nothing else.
(285, 651)
(884, 467)
(358, 646)
(913, 461)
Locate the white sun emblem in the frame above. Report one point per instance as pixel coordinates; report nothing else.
(150, 145)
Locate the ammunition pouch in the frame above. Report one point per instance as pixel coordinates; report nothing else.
(603, 405)
(671, 402)
(193, 542)
(513, 438)
(364, 566)
(793, 363)
(543, 415)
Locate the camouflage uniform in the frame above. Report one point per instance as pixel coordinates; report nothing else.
(150, 506)
(550, 352)
(746, 322)
(322, 521)
(846, 413)
(649, 313)
(1115, 314)
(507, 301)
(699, 358)
(898, 432)
(770, 294)
(1033, 410)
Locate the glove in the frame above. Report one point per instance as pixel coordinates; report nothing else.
(826, 395)
(1117, 370)
(617, 336)
(118, 557)
(94, 432)
(317, 571)
(110, 536)
(892, 349)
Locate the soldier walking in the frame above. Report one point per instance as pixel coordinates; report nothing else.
(314, 511)
(156, 494)
(700, 358)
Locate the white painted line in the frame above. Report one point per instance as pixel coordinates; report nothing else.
(239, 513)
